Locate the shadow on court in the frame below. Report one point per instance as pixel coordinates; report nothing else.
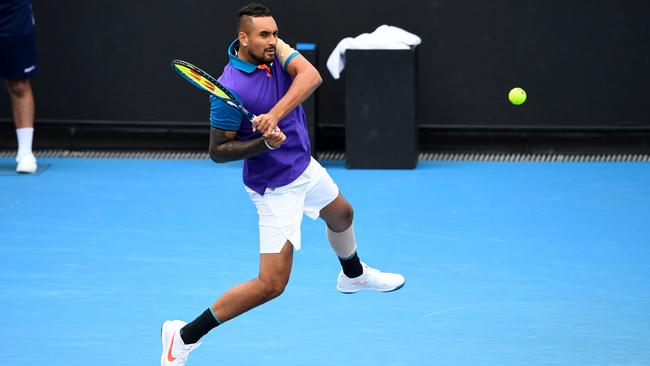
(10, 169)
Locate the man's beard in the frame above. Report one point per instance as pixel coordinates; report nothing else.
(263, 59)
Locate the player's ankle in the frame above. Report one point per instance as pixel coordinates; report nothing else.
(352, 267)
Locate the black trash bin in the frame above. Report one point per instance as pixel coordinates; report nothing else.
(380, 127)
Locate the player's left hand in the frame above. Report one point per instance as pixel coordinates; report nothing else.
(265, 122)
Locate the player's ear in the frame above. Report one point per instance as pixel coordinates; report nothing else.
(243, 39)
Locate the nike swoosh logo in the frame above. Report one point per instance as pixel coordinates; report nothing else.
(30, 68)
(359, 283)
(171, 358)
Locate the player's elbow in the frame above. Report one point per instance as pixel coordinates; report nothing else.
(317, 79)
(219, 158)
(216, 155)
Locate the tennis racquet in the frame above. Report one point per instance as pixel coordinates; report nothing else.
(204, 81)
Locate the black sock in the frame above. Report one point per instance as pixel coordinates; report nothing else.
(192, 332)
(352, 266)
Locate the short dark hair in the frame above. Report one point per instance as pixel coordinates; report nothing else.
(253, 10)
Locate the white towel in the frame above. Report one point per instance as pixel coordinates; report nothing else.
(385, 37)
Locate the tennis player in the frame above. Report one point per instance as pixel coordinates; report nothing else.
(17, 64)
(282, 179)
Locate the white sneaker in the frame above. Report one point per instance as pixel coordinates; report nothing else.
(371, 279)
(174, 350)
(26, 163)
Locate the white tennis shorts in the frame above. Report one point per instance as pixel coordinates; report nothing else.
(281, 209)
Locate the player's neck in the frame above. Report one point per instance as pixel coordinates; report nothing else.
(244, 55)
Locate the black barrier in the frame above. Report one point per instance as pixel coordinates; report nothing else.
(584, 64)
(380, 128)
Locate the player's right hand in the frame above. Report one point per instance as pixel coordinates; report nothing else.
(274, 137)
(265, 122)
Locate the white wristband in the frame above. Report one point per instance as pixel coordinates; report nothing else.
(269, 146)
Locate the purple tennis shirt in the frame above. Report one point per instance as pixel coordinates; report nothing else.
(259, 89)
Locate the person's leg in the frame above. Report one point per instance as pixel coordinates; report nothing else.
(338, 216)
(275, 269)
(180, 338)
(22, 103)
(355, 276)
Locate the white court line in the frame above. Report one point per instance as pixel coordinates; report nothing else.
(445, 311)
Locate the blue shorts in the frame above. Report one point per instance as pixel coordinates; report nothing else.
(18, 57)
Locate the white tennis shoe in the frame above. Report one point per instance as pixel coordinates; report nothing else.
(26, 163)
(371, 279)
(174, 350)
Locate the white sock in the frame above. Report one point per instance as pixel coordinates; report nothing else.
(343, 243)
(25, 138)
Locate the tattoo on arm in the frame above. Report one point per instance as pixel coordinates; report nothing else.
(224, 148)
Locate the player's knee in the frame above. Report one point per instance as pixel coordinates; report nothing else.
(348, 215)
(277, 290)
(18, 88)
(342, 220)
(345, 218)
(274, 288)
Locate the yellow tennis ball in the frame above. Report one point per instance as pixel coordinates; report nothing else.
(517, 96)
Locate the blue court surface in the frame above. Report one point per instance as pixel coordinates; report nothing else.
(506, 264)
